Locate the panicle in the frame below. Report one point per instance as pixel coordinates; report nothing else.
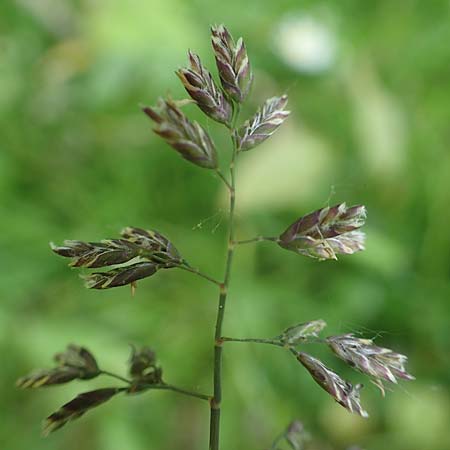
(152, 251)
(75, 363)
(199, 84)
(156, 247)
(326, 232)
(120, 276)
(108, 252)
(341, 390)
(143, 369)
(295, 435)
(378, 362)
(79, 358)
(187, 137)
(48, 377)
(302, 331)
(77, 407)
(232, 63)
(263, 124)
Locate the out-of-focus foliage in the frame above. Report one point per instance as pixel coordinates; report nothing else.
(368, 86)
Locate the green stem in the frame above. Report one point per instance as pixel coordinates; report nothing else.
(258, 239)
(217, 377)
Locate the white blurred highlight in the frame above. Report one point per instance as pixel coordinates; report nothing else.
(306, 44)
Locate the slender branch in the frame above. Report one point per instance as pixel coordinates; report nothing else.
(163, 386)
(222, 177)
(169, 387)
(277, 342)
(184, 265)
(200, 274)
(114, 375)
(257, 239)
(254, 340)
(217, 377)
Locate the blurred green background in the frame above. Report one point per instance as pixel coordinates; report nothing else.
(368, 84)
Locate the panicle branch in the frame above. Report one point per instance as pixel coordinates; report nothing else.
(144, 251)
(377, 362)
(78, 363)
